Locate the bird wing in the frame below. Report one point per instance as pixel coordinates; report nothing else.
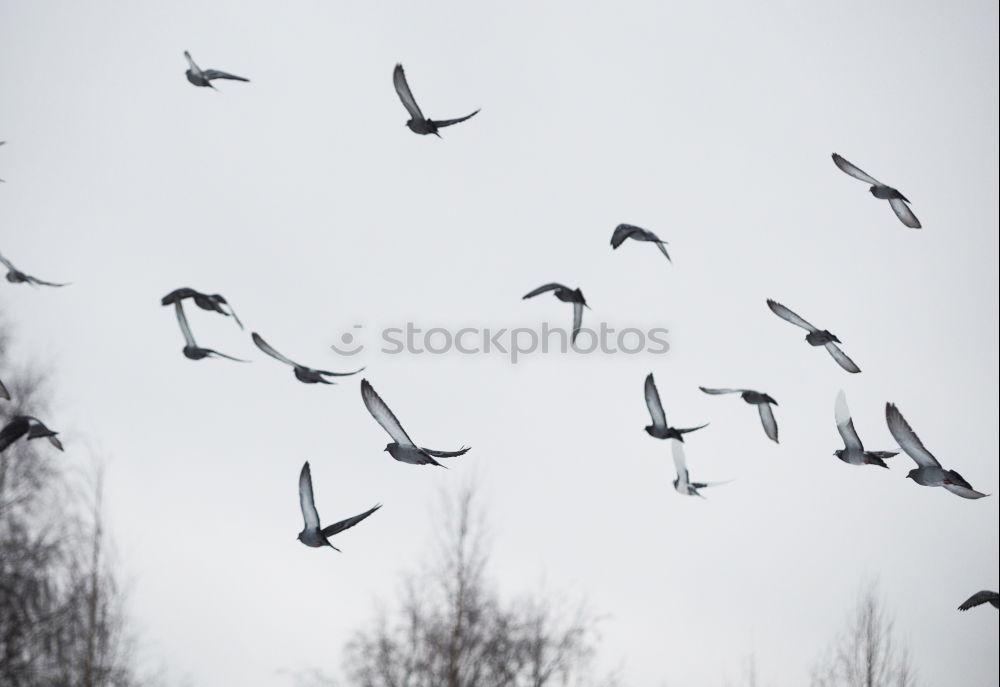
(904, 213)
(440, 123)
(907, 438)
(14, 430)
(979, 598)
(42, 282)
(663, 249)
(622, 232)
(577, 319)
(653, 402)
(331, 530)
(183, 322)
(964, 492)
(841, 357)
(216, 74)
(845, 425)
(267, 348)
(223, 355)
(716, 392)
(767, 419)
(542, 289)
(403, 91)
(680, 463)
(446, 454)
(789, 316)
(3, 391)
(339, 374)
(853, 171)
(380, 411)
(309, 513)
(8, 264)
(191, 64)
(178, 295)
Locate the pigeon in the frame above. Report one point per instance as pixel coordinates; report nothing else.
(566, 295)
(763, 403)
(854, 452)
(213, 302)
(204, 77)
(25, 424)
(660, 429)
(628, 231)
(683, 483)
(3, 391)
(417, 123)
(980, 598)
(16, 276)
(402, 447)
(306, 375)
(815, 337)
(897, 200)
(311, 534)
(191, 349)
(929, 472)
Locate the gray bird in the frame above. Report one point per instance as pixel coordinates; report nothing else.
(660, 429)
(754, 398)
(417, 123)
(307, 375)
(191, 349)
(311, 534)
(16, 276)
(815, 337)
(204, 77)
(402, 448)
(566, 295)
(628, 231)
(897, 200)
(683, 483)
(929, 472)
(213, 302)
(854, 452)
(980, 598)
(22, 425)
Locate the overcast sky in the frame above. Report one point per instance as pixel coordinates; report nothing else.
(303, 198)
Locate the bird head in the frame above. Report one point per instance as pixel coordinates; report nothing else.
(912, 474)
(839, 452)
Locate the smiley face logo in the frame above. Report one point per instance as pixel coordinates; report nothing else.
(348, 343)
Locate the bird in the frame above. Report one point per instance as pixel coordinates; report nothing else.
(417, 123)
(205, 301)
(191, 349)
(854, 451)
(26, 424)
(566, 295)
(204, 77)
(980, 598)
(3, 391)
(402, 447)
(660, 429)
(306, 375)
(683, 483)
(16, 276)
(311, 534)
(897, 201)
(928, 472)
(763, 403)
(628, 231)
(815, 337)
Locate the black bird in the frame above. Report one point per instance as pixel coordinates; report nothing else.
(628, 231)
(815, 337)
(417, 123)
(191, 349)
(660, 429)
(566, 295)
(16, 276)
(897, 200)
(311, 534)
(25, 424)
(307, 375)
(204, 77)
(205, 301)
(980, 598)
(755, 398)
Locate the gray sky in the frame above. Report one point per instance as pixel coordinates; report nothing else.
(302, 197)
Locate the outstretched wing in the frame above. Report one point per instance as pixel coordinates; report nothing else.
(306, 502)
(380, 411)
(446, 454)
(216, 74)
(841, 357)
(3, 391)
(340, 374)
(577, 319)
(542, 289)
(441, 123)
(680, 464)
(980, 598)
(331, 530)
(403, 91)
(622, 232)
(267, 348)
(178, 295)
(789, 316)
(42, 282)
(964, 491)
(7, 263)
(191, 64)
(907, 438)
(653, 402)
(663, 249)
(14, 430)
(716, 392)
(182, 320)
(855, 172)
(767, 419)
(223, 355)
(845, 425)
(904, 213)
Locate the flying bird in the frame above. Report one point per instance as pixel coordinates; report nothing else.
(683, 483)
(26, 425)
(928, 472)
(204, 77)
(755, 398)
(3, 391)
(191, 349)
(417, 123)
(660, 429)
(402, 447)
(815, 337)
(16, 276)
(628, 231)
(854, 451)
(897, 200)
(980, 598)
(311, 534)
(307, 375)
(566, 295)
(205, 301)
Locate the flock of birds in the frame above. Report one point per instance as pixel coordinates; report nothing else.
(929, 472)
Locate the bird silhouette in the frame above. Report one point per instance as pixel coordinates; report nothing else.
(897, 201)
(417, 123)
(312, 534)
